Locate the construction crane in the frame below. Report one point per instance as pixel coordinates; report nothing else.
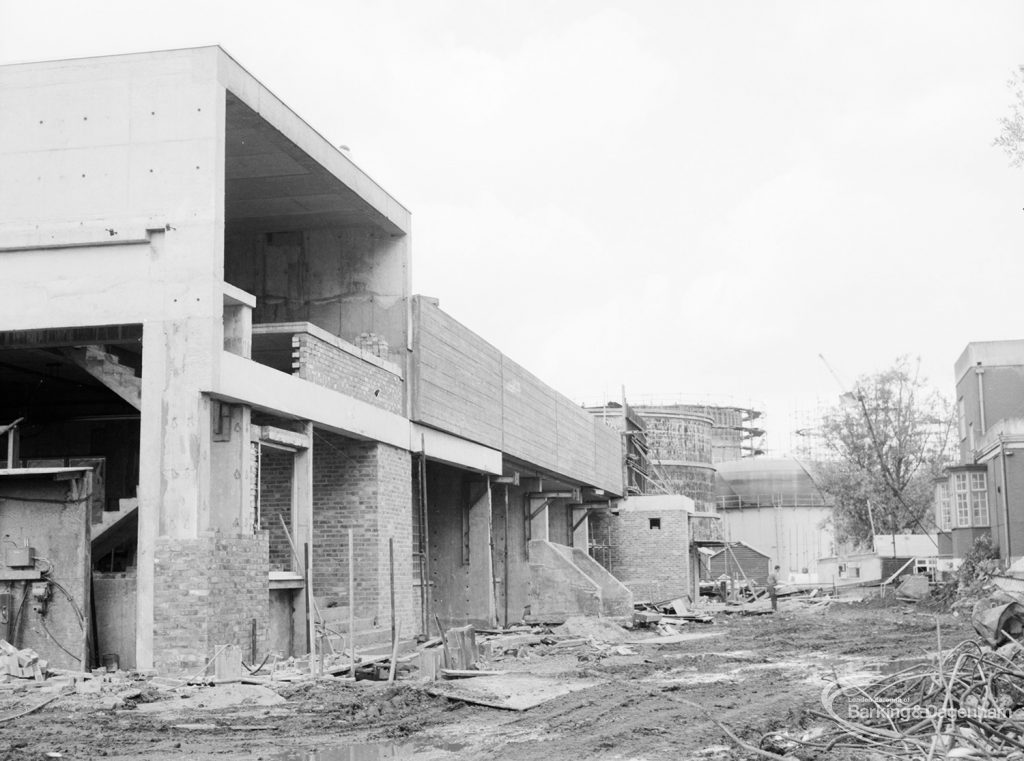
(834, 374)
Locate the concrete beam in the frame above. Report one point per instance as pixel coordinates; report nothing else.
(264, 388)
(443, 447)
(289, 439)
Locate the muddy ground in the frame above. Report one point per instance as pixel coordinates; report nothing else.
(760, 674)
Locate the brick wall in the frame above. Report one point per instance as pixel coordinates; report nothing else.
(367, 487)
(653, 562)
(276, 472)
(326, 365)
(207, 593)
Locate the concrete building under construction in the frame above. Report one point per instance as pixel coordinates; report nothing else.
(674, 447)
(207, 306)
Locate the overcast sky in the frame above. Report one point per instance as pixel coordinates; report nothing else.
(679, 197)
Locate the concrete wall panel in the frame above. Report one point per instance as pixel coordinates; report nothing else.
(463, 385)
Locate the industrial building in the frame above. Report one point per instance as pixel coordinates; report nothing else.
(777, 507)
(208, 307)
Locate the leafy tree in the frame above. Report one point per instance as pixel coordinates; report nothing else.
(1011, 137)
(888, 439)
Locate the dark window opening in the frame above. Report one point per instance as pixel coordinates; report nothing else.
(655, 523)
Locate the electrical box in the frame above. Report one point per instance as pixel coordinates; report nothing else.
(20, 557)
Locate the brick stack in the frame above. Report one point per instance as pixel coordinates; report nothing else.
(375, 344)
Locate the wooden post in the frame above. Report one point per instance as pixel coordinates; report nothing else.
(391, 574)
(310, 633)
(13, 444)
(394, 654)
(351, 603)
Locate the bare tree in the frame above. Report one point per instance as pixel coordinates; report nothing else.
(1011, 136)
(890, 438)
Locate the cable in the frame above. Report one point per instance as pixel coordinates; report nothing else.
(21, 607)
(42, 620)
(78, 611)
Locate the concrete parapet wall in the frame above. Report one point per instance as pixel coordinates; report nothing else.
(463, 385)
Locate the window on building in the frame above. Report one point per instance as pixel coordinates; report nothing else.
(969, 499)
(979, 500)
(945, 505)
(655, 523)
(963, 500)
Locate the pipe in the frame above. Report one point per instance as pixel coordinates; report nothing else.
(425, 539)
(979, 372)
(1006, 496)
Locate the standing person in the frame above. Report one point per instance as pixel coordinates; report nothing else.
(773, 582)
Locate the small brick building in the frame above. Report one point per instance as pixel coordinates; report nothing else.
(653, 544)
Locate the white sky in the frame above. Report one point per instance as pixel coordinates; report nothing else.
(681, 197)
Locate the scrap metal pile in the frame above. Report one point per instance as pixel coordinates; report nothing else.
(967, 703)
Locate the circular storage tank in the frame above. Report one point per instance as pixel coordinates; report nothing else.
(681, 453)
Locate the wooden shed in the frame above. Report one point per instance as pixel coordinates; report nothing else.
(734, 560)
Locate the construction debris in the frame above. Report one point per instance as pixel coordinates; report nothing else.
(999, 624)
(913, 588)
(968, 703)
(22, 664)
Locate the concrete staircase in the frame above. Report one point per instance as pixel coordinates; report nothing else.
(566, 582)
(111, 518)
(115, 527)
(108, 370)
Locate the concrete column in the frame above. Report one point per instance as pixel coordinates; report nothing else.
(304, 627)
(174, 454)
(539, 522)
(230, 469)
(481, 567)
(238, 329)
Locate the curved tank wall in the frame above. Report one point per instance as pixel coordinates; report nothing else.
(681, 453)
